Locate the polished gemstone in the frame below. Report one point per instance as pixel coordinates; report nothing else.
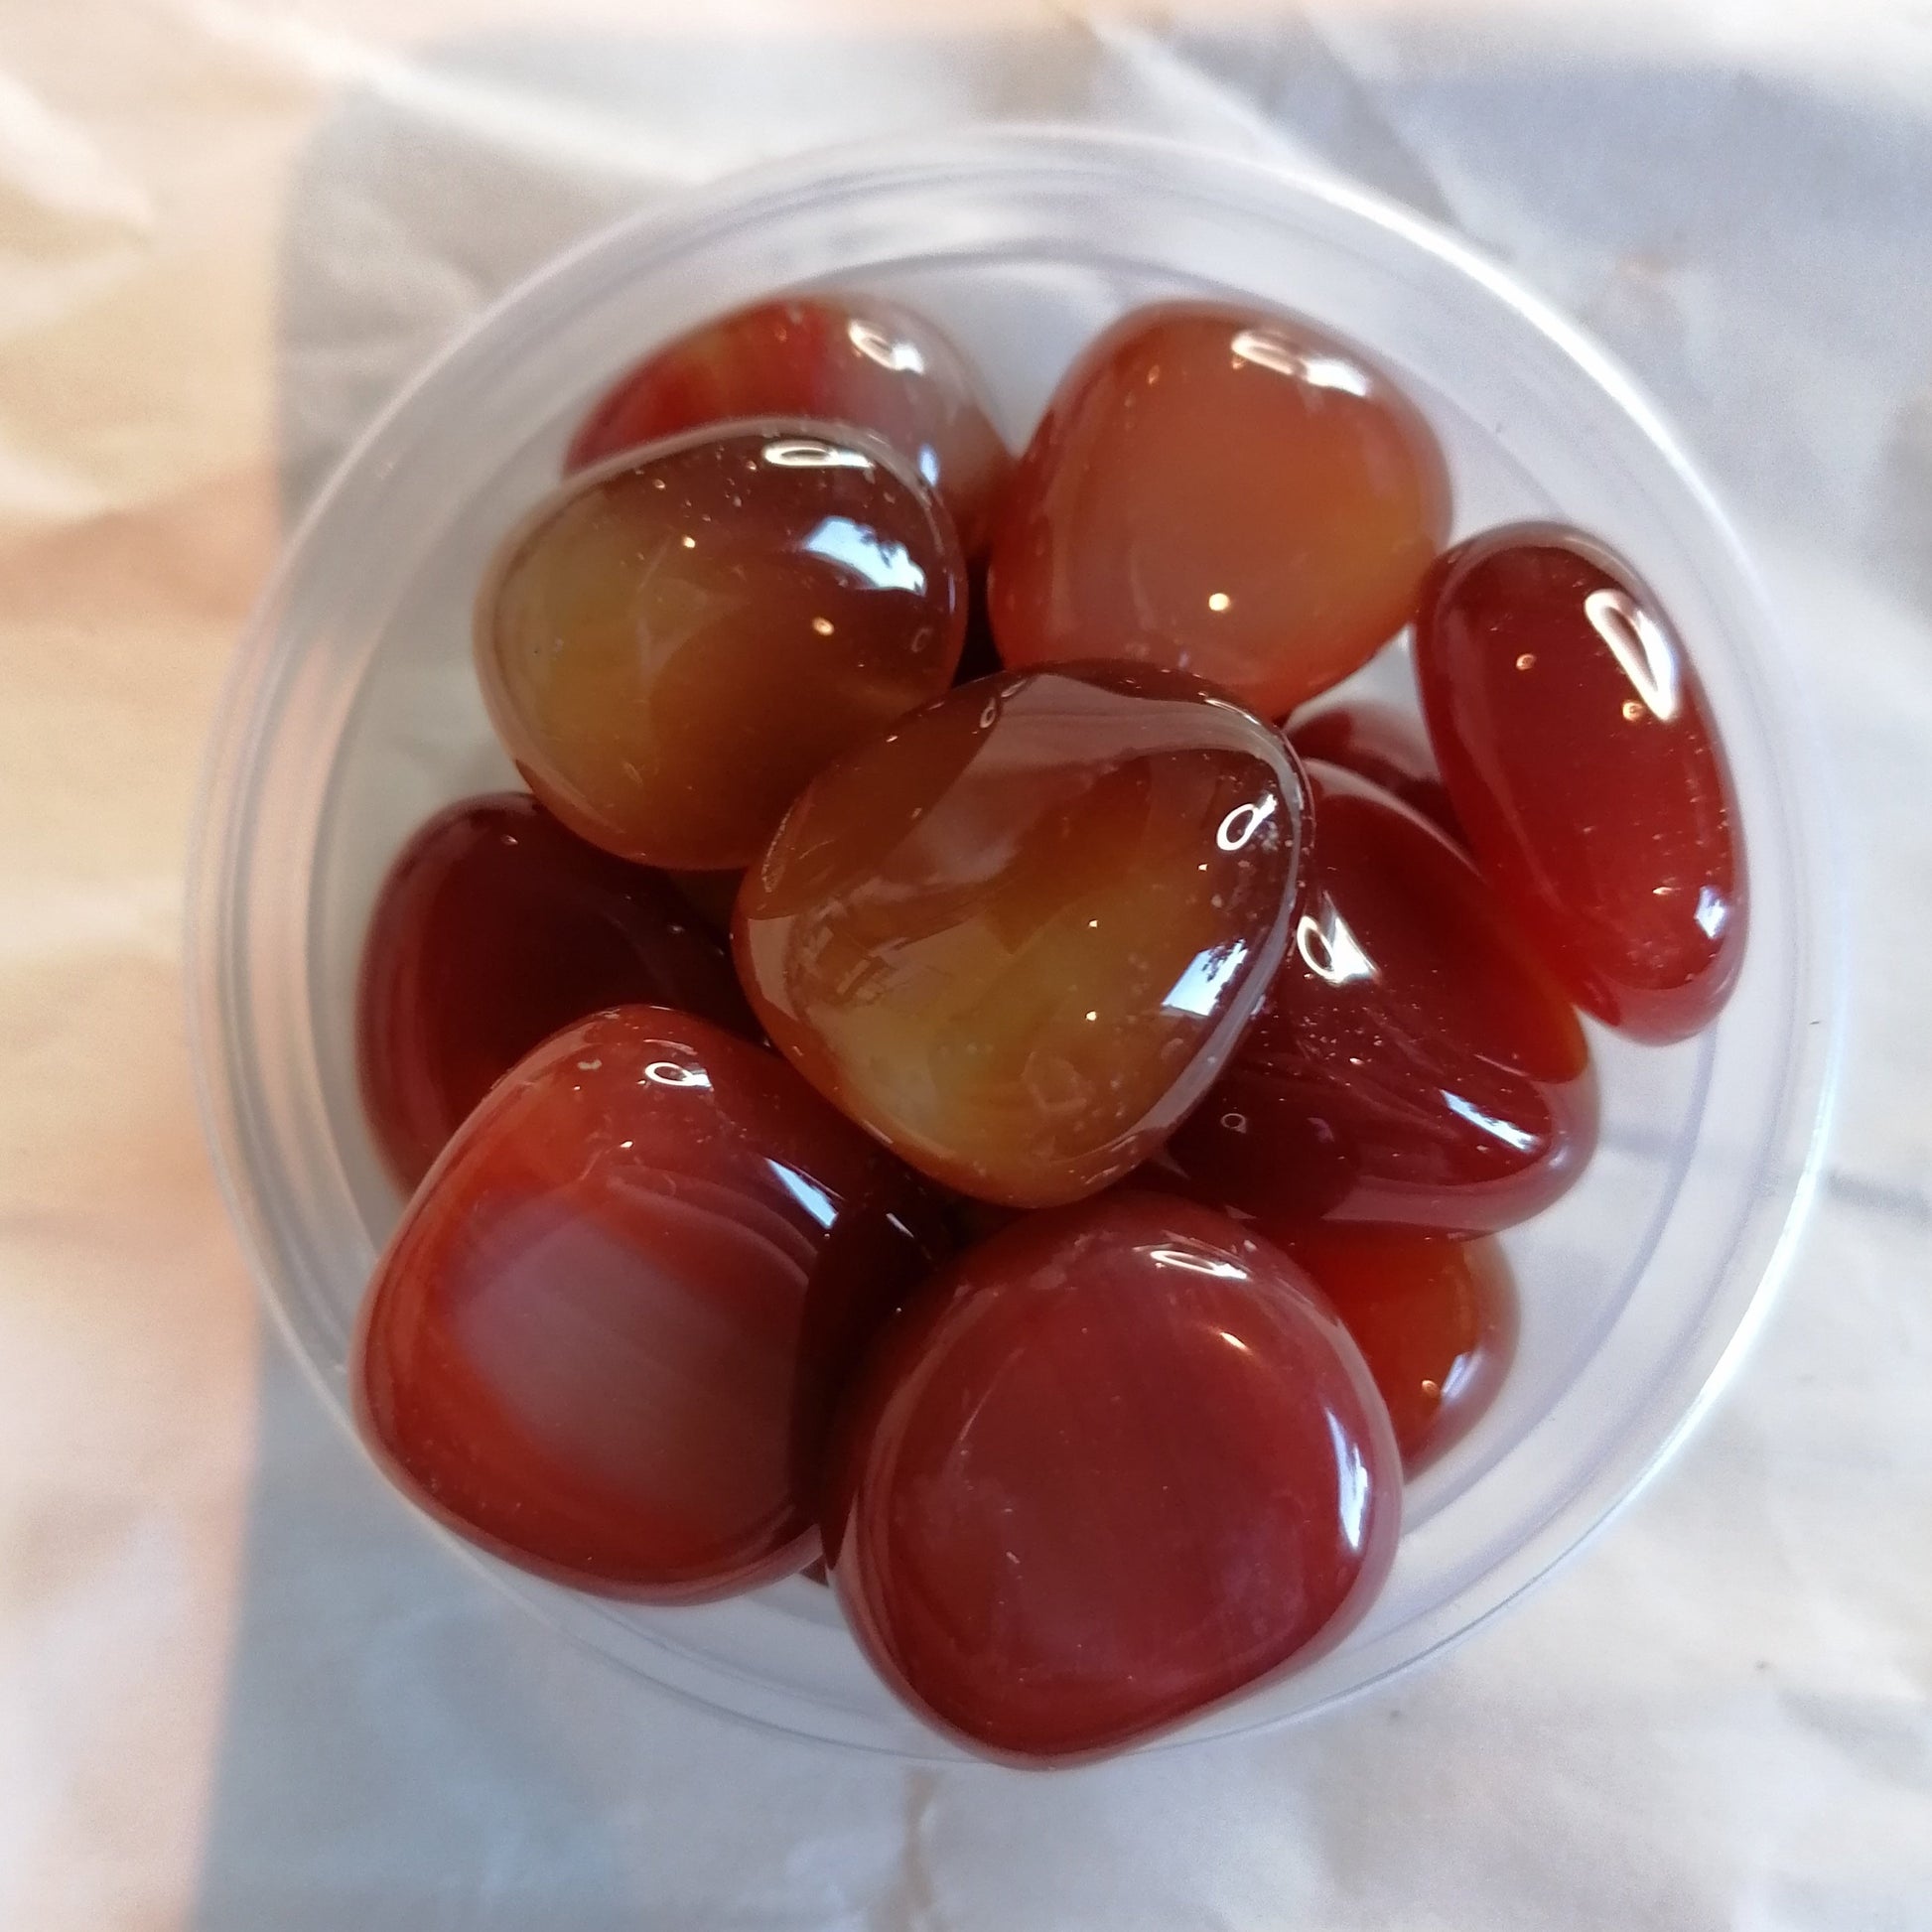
(670, 650)
(1585, 768)
(1111, 1468)
(1436, 1321)
(832, 358)
(493, 928)
(1413, 1060)
(1225, 492)
(606, 1338)
(1383, 744)
(1016, 935)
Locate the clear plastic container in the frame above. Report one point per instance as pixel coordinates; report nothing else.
(352, 714)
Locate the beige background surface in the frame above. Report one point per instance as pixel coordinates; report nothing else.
(235, 1689)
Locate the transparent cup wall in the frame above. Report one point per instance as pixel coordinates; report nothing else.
(352, 714)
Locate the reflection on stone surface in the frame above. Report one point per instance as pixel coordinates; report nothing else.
(1225, 492)
(671, 647)
(1577, 747)
(829, 359)
(1413, 1062)
(495, 926)
(1016, 935)
(1436, 1321)
(607, 1337)
(1112, 1467)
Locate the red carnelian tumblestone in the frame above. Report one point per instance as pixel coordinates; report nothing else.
(493, 928)
(1113, 1465)
(1434, 1318)
(1586, 772)
(670, 648)
(1017, 935)
(606, 1340)
(1225, 492)
(836, 358)
(1413, 1063)
(1386, 746)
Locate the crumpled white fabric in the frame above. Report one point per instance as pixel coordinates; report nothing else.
(238, 1688)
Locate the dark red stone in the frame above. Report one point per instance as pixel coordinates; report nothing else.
(1113, 1466)
(606, 1340)
(1413, 1060)
(1436, 1321)
(833, 359)
(494, 928)
(1586, 772)
(1383, 744)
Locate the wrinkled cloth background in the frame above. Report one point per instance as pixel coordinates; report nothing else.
(239, 1692)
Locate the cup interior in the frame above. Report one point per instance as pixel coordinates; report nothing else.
(354, 714)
